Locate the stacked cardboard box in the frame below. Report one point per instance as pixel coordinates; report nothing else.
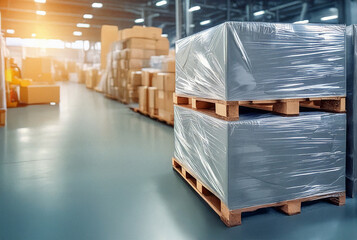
(133, 51)
(164, 82)
(245, 160)
(37, 69)
(92, 78)
(155, 96)
(146, 91)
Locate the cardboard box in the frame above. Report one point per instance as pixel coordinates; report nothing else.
(140, 43)
(109, 34)
(162, 46)
(71, 67)
(91, 78)
(135, 78)
(169, 104)
(153, 111)
(152, 97)
(164, 81)
(159, 52)
(133, 93)
(37, 94)
(137, 53)
(160, 100)
(37, 69)
(147, 76)
(168, 65)
(168, 116)
(143, 98)
(141, 32)
(134, 63)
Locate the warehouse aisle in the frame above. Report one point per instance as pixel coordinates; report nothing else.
(92, 169)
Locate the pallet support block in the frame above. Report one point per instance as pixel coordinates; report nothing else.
(229, 218)
(291, 208)
(334, 105)
(287, 108)
(339, 201)
(231, 110)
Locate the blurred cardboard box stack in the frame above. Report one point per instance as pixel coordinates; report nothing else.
(137, 45)
(156, 94)
(37, 69)
(92, 78)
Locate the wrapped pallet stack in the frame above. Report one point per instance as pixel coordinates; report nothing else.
(351, 167)
(239, 158)
(137, 44)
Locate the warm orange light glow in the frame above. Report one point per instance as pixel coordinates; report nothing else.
(87, 16)
(83, 25)
(42, 13)
(77, 33)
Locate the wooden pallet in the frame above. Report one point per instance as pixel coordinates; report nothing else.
(2, 117)
(110, 97)
(155, 117)
(233, 217)
(229, 110)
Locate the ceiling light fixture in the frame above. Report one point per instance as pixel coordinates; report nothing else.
(97, 5)
(194, 8)
(83, 25)
(205, 22)
(139, 20)
(42, 13)
(10, 31)
(87, 16)
(259, 13)
(164, 35)
(302, 21)
(77, 33)
(161, 3)
(40, 1)
(329, 18)
(33, 35)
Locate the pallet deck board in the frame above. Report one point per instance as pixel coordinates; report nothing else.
(229, 110)
(233, 217)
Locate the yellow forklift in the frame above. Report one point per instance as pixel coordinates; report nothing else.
(13, 82)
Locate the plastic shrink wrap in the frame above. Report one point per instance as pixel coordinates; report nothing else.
(258, 61)
(351, 164)
(263, 158)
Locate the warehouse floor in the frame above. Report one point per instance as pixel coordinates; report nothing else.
(90, 168)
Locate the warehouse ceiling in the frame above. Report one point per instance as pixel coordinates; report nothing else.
(62, 16)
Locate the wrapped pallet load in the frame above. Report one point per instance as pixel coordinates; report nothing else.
(240, 159)
(238, 61)
(351, 167)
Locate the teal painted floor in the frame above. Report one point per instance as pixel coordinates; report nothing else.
(89, 168)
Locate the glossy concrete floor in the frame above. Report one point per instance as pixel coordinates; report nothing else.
(89, 168)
